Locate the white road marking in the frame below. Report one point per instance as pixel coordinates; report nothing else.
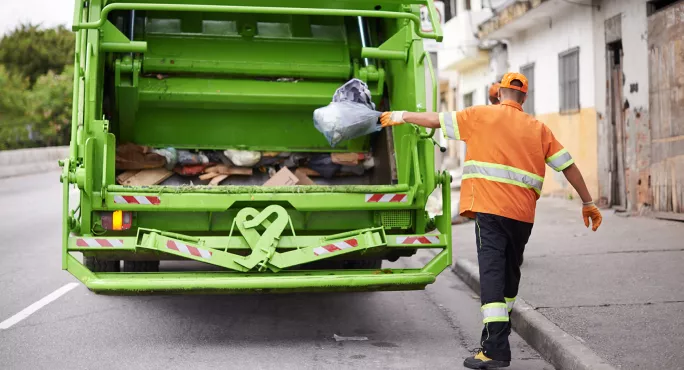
(26, 312)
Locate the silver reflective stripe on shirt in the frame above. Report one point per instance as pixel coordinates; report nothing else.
(560, 160)
(494, 312)
(447, 121)
(501, 173)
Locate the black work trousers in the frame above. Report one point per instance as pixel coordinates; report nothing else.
(500, 246)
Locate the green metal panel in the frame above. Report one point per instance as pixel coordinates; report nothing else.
(300, 58)
(219, 282)
(222, 113)
(237, 243)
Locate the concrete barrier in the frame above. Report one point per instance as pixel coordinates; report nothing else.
(29, 161)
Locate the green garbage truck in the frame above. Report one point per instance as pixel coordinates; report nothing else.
(215, 75)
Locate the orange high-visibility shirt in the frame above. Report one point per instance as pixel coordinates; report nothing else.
(507, 150)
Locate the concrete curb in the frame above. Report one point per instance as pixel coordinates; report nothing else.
(30, 161)
(561, 349)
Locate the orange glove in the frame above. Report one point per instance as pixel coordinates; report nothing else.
(590, 211)
(392, 118)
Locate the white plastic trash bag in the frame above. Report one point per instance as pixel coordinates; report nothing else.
(345, 120)
(243, 158)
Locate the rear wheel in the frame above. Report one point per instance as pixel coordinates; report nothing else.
(96, 265)
(141, 266)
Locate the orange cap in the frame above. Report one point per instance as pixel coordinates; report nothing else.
(512, 76)
(494, 91)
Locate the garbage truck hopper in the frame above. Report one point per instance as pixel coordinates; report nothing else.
(169, 98)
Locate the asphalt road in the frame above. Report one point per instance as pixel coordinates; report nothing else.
(431, 329)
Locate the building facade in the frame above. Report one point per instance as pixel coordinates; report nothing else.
(464, 66)
(638, 53)
(607, 76)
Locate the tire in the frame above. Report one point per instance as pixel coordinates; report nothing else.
(95, 265)
(141, 266)
(364, 265)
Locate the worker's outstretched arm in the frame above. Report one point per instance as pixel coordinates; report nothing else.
(429, 120)
(589, 209)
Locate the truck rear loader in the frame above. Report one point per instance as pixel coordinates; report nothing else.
(228, 74)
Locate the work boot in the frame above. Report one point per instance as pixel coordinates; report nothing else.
(480, 361)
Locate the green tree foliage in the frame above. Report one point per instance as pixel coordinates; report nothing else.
(49, 107)
(36, 77)
(32, 51)
(13, 129)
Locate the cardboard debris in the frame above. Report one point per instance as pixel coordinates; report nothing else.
(303, 178)
(308, 171)
(345, 159)
(225, 170)
(125, 176)
(137, 157)
(145, 177)
(217, 180)
(208, 175)
(284, 177)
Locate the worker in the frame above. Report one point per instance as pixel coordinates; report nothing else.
(494, 99)
(494, 93)
(502, 180)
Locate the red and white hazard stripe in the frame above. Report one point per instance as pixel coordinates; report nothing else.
(88, 242)
(188, 249)
(386, 198)
(136, 199)
(351, 243)
(417, 239)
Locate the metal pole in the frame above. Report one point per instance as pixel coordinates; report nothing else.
(364, 42)
(131, 30)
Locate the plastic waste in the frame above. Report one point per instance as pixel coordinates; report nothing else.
(323, 164)
(369, 163)
(243, 158)
(357, 170)
(216, 156)
(340, 121)
(294, 160)
(185, 157)
(170, 154)
(191, 169)
(356, 91)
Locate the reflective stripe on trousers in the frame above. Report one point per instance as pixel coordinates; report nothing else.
(509, 303)
(494, 312)
(447, 121)
(560, 161)
(501, 173)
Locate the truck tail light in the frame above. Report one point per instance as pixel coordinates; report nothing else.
(117, 220)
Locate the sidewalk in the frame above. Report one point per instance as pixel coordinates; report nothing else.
(620, 290)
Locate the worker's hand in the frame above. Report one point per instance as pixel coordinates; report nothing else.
(590, 211)
(392, 118)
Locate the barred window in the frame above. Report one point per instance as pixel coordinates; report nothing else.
(568, 70)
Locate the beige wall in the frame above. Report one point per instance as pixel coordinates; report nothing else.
(578, 134)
